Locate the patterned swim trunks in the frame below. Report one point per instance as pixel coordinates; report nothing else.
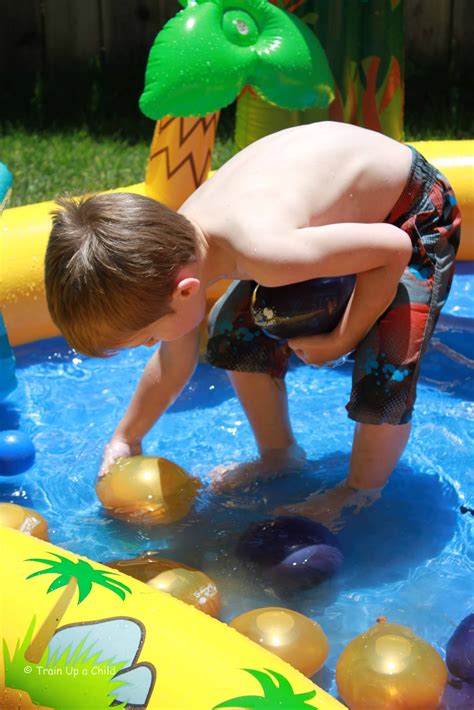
(387, 360)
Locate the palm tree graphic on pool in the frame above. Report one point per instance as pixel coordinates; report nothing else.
(88, 643)
(71, 576)
(96, 642)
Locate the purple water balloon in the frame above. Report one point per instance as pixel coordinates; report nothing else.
(307, 566)
(458, 695)
(268, 542)
(291, 551)
(460, 651)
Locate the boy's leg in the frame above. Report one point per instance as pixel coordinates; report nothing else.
(387, 361)
(264, 400)
(256, 365)
(376, 451)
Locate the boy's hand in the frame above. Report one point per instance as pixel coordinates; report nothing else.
(118, 448)
(318, 349)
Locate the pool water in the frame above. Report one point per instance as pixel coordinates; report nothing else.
(409, 557)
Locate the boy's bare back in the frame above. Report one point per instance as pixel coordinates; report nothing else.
(307, 176)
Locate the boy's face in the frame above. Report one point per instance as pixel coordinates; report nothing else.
(189, 309)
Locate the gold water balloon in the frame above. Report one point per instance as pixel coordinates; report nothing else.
(147, 489)
(288, 634)
(390, 668)
(145, 567)
(191, 586)
(25, 520)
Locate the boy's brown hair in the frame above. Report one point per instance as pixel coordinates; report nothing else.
(110, 267)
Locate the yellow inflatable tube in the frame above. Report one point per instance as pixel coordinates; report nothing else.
(77, 634)
(24, 233)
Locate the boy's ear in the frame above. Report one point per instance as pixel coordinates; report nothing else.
(186, 287)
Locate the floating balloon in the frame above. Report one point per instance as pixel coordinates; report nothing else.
(145, 567)
(458, 695)
(147, 489)
(307, 308)
(204, 57)
(17, 453)
(390, 668)
(192, 587)
(289, 635)
(23, 519)
(291, 552)
(460, 650)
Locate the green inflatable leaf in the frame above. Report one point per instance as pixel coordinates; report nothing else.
(204, 56)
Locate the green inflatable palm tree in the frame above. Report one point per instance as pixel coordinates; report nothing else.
(70, 575)
(211, 50)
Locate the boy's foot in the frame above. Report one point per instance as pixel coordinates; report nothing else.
(327, 508)
(273, 463)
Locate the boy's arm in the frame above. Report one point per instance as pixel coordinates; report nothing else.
(377, 253)
(168, 370)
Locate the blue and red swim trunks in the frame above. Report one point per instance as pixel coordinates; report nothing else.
(387, 360)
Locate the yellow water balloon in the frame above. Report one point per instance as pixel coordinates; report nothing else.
(147, 489)
(288, 634)
(390, 668)
(145, 567)
(191, 586)
(23, 519)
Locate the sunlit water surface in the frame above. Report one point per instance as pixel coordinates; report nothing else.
(409, 557)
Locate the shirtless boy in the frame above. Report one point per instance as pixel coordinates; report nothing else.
(326, 199)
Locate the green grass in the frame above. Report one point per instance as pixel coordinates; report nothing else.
(73, 161)
(58, 682)
(48, 164)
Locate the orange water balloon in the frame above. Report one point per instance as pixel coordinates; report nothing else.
(390, 668)
(191, 586)
(147, 489)
(147, 566)
(290, 635)
(26, 520)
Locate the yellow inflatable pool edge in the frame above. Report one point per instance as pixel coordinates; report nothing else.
(24, 234)
(75, 631)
